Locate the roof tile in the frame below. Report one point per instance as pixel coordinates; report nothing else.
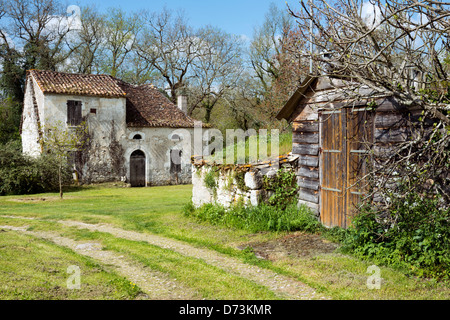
(146, 106)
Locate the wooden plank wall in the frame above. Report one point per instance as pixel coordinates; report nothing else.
(393, 125)
(305, 139)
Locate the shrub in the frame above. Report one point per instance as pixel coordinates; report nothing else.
(20, 174)
(415, 235)
(284, 187)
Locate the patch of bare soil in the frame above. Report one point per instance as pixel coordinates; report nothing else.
(38, 199)
(297, 244)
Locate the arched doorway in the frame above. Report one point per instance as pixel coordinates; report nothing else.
(137, 169)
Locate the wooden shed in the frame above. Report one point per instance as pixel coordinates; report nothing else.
(337, 126)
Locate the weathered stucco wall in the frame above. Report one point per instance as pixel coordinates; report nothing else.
(110, 143)
(30, 122)
(157, 143)
(102, 158)
(234, 184)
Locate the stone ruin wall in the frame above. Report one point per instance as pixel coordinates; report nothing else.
(235, 183)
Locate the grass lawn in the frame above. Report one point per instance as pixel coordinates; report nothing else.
(37, 269)
(158, 210)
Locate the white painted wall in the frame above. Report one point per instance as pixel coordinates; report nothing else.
(156, 143)
(105, 127)
(30, 129)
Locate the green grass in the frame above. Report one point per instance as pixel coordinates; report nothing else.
(33, 269)
(158, 210)
(284, 147)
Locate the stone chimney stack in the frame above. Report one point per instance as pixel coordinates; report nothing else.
(182, 103)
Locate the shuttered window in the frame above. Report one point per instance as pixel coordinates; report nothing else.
(73, 113)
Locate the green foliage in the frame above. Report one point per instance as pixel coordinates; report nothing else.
(10, 113)
(20, 174)
(284, 185)
(210, 180)
(239, 177)
(254, 219)
(415, 235)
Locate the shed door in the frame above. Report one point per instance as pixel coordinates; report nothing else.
(137, 169)
(333, 165)
(346, 135)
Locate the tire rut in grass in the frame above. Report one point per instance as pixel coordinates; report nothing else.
(285, 287)
(155, 285)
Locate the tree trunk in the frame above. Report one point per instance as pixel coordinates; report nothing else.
(60, 183)
(208, 114)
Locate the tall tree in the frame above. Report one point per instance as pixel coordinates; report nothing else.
(120, 33)
(170, 45)
(217, 69)
(87, 43)
(276, 58)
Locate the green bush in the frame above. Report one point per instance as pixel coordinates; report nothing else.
(284, 186)
(415, 235)
(261, 218)
(20, 174)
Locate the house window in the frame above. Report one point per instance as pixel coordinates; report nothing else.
(175, 161)
(73, 113)
(93, 111)
(137, 137)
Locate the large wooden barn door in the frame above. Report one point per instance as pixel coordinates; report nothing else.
(344, 136)
(333, 165)
(137, 169)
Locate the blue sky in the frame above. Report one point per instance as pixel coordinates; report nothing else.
(234, 16)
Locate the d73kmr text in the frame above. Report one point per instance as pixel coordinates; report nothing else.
(246, 309)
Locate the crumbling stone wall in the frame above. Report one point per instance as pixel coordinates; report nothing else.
(228, 185)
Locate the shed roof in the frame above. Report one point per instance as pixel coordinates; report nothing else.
(330, 92)
(327, 92)
(146, 106)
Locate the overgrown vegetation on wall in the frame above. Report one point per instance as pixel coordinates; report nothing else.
(278, 213)
(284, 187)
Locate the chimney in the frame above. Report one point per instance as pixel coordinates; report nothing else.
(182, 103)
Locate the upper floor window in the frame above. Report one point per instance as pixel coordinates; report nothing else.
(74, 113)
(137, 137)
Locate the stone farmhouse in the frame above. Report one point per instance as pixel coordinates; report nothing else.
(133, 131)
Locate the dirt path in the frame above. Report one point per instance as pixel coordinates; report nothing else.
(156, 285)
(285, 287)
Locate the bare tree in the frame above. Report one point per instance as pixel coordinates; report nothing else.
(120, 33)
(40, 27)
(276, 60)
(399, 49)
(88, 43)
(216, 69)
(170, 45)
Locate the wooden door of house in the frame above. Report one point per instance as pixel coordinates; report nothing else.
(137, 169)
(344, 136)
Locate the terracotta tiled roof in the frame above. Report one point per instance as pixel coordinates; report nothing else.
(77, 84)
(146, 106)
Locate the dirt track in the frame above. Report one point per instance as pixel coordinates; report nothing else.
(159, 286)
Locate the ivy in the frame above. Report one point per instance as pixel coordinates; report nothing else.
(284, 187)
